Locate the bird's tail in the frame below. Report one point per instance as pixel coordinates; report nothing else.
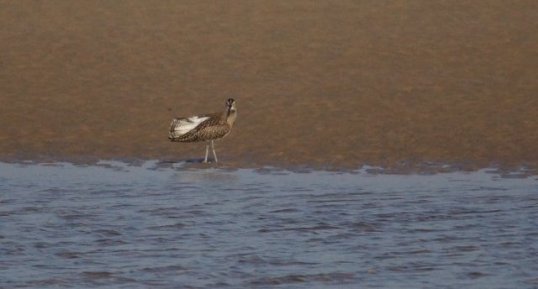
(181, 126)
(172, 135)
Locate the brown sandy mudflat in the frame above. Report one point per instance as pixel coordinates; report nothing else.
(319, 83)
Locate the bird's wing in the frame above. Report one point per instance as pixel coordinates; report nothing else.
(181, 126)
(208, 131)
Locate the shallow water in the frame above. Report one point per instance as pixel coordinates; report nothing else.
(158, 225)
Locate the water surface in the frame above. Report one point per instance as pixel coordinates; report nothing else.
(158, 225)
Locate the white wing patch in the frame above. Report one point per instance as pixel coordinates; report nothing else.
(184, 125)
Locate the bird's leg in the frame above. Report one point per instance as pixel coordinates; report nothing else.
(206, 152)
(214, 153)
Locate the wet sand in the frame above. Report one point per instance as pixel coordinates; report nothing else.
(330, 84)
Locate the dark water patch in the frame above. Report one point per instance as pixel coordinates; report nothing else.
(301, 278)
(261, 261)
(366, 227)
(467, 248)
(476, 275)
(171, 269)
(97, 275)
(176, 226)
(107, 233)
(285, 210)
(313, 229)
(413, 267)
(109, 242)
(68, 255)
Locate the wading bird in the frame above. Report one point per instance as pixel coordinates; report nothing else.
(205, 127)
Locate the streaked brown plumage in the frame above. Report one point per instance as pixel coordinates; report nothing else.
(206, 127)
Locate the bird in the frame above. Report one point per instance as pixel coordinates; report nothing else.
(204, 127)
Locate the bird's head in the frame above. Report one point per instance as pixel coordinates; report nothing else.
(230, 104)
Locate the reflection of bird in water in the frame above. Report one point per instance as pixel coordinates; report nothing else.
(205, 127)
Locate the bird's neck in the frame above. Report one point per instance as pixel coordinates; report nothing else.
(230, 116)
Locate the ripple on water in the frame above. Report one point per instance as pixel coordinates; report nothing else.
(162, 226)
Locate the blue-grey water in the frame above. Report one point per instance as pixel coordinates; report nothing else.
(114, 225)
